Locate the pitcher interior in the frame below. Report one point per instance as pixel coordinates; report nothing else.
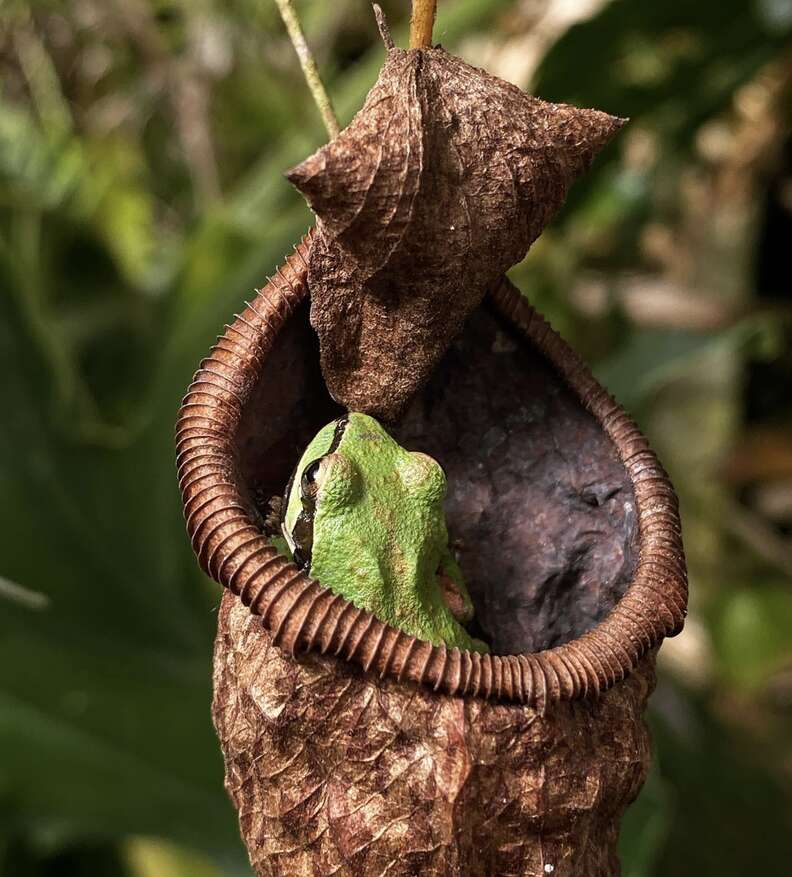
(540, 509)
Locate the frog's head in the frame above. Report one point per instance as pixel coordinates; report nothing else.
(350, 462)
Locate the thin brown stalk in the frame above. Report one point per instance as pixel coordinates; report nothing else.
(308, 64)
(423, 17)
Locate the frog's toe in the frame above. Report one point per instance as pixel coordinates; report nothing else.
(460, 608)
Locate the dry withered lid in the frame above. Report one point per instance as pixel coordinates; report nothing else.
(439, 184)
(300, 614)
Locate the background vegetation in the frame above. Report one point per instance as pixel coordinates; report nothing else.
(142, 144)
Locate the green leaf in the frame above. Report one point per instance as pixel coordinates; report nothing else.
(751, 634)
(645, 827)
(652, 358)
(729, 813)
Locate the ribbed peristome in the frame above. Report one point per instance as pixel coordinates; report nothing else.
(300, 614)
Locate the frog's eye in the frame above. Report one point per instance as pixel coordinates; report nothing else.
(308, 481)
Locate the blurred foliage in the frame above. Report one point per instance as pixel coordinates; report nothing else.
(142, 145)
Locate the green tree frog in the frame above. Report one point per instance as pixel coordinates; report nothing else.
(365, 517)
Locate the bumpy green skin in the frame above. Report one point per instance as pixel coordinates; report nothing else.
(379, 530)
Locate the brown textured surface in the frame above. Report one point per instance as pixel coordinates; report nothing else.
(335, 773)
(299, 614)
(540, 507)
(403, 255)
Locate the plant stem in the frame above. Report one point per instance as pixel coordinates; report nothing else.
(309, 67)
(423, 17)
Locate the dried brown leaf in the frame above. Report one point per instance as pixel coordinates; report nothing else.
(438, 186)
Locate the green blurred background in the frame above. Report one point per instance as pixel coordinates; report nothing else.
(142, 145)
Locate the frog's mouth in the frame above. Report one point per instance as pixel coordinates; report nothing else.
(567, 525)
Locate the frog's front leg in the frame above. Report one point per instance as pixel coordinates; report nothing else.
(452, 587)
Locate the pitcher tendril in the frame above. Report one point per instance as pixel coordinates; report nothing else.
(309, 68)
